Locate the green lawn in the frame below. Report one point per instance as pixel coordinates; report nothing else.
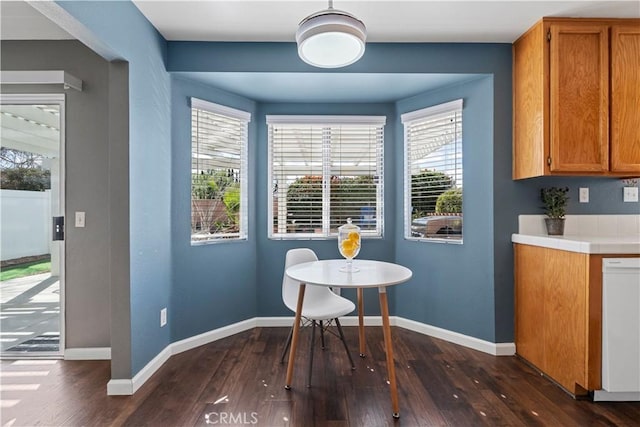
(27, 269)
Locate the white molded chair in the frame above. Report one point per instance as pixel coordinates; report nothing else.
(320, 305)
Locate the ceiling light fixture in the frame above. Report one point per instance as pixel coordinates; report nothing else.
(331, 38)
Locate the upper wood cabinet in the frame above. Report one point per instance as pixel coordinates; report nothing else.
(625, 98)
(576, 97)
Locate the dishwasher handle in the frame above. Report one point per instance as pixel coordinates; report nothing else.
(610, 265)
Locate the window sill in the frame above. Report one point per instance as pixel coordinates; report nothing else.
(217, 241)
(435, 240)
(317, 237)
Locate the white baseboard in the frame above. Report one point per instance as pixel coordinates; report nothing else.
(211, 336)
(368, 321)
(495, 349)
(616, 396)
(504, 348)
(274, 322)
(88, 353)
(119, 387)
(127, 387)
(287, 321)
(150, 368)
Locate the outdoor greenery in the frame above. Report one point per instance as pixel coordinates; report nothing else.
(28, 179)
(426, 187)
(555, 201)
(27, 269)
(22, 170)
(432, 192)
(348, 195)
(450, 201)
(231, 199)
(215, 196)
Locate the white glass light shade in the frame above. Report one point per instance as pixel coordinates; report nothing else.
(331, 39)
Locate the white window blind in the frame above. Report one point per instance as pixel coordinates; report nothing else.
(323, 170)
(218, 172)
(433, 173)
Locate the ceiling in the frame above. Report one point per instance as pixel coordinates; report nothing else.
(31, 128)
(19, 21)
(386, 21)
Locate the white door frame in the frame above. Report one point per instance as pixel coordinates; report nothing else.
(50, 99)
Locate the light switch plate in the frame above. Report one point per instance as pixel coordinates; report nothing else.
(630, 194)
(79, 219)
(163, 317)
(584, 195)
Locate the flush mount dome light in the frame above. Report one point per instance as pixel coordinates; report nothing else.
(331, 38)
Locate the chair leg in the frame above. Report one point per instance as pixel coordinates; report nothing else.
(353, 366)
(313, 340)
(286, 346)
(322, 334)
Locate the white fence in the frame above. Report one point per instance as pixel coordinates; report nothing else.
(25, 221)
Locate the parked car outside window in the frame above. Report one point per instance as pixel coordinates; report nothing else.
(438, 226)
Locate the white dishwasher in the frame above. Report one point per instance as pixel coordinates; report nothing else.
(620, 330)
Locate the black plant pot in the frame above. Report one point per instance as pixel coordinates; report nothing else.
(555, 226)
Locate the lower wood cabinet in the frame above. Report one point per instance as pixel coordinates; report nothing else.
(558, 314)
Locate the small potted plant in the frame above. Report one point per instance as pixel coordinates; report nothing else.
(555, 203)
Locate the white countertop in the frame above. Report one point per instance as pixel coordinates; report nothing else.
(582, 243)
(588, 234)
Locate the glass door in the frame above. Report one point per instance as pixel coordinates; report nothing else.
(32, 203)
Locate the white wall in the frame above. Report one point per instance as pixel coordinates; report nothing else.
(25, 223)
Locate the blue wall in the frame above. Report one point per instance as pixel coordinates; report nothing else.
(471, 58)
(122, 27)
(271, 253)
(484, 302)
(605, 195)
(466, 288)
(214, 284)
(452, 286)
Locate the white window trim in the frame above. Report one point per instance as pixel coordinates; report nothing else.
(244, 171)
(221, 109)
(408, 119)
(328, 121)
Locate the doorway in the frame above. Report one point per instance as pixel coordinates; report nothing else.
(32, 228)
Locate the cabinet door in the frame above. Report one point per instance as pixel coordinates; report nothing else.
(579, 98)
(530, 130)
(625, 98)
(529, 303)
(565, 318)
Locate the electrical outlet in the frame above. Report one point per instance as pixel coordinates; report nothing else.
(584, 195)
(163, 317)
(630, 194)
(79, 219)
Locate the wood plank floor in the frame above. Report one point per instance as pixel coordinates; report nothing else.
(239, 381)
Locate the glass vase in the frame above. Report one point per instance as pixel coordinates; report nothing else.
(349, 241)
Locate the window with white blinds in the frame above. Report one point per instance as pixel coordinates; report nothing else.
(433, 173)
(218, 172)
(323, 170)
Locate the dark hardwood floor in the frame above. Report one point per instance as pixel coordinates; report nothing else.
(239, 381)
